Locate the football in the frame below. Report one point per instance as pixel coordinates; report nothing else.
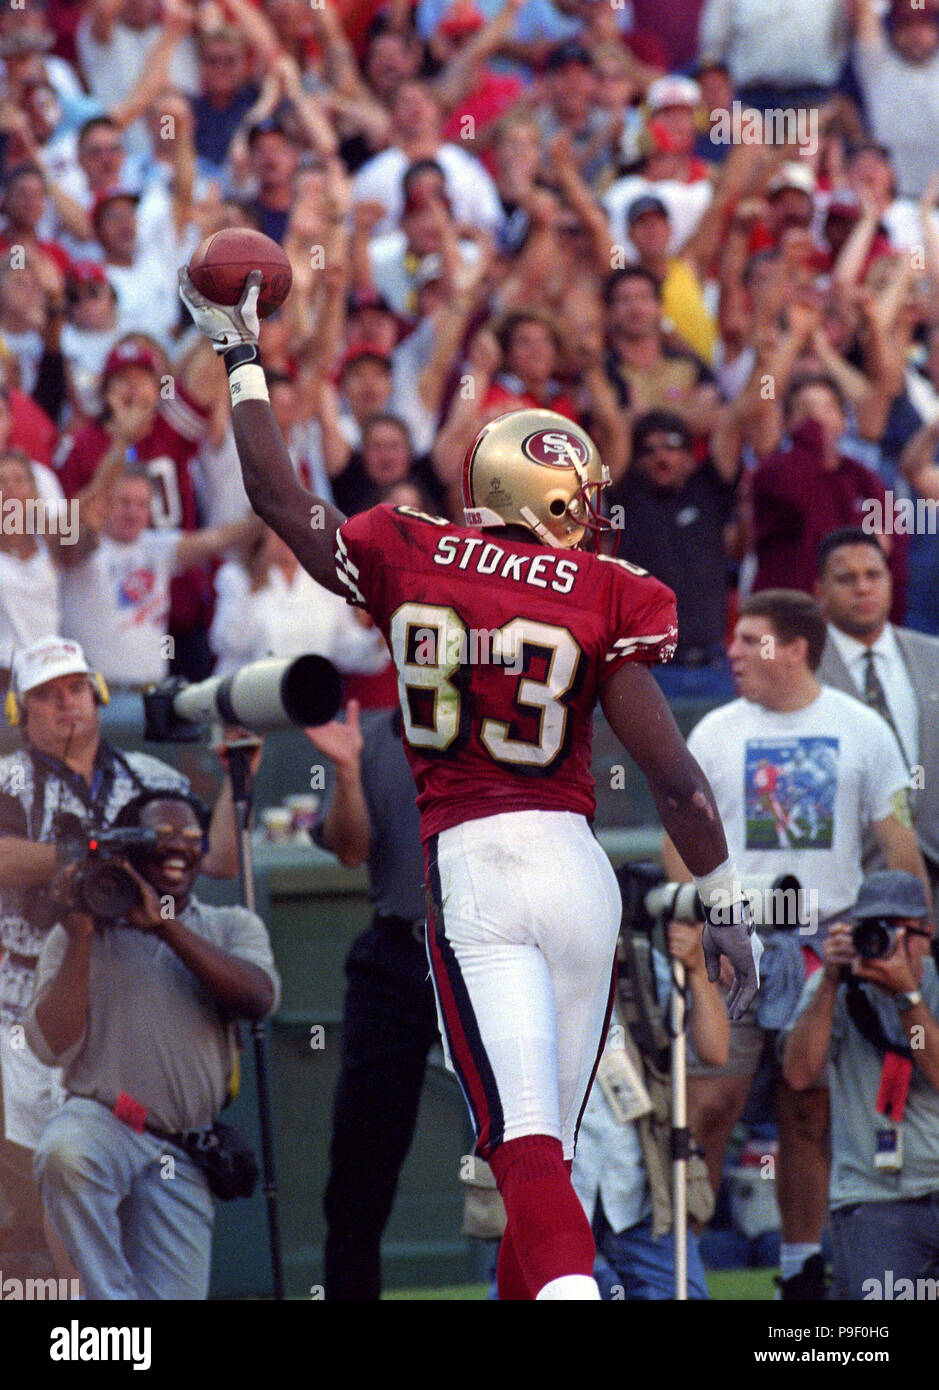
(223, 262)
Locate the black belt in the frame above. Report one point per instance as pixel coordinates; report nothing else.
(413, 925)
(148, 1128)
(179, 1139)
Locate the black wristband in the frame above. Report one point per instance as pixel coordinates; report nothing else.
(240, 356)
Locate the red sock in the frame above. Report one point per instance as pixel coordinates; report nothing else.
(509, 1277)
(550, 1234)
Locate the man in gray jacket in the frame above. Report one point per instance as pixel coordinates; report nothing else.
(894, 670)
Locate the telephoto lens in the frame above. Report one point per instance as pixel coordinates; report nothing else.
(874, 938)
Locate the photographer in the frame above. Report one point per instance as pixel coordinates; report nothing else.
(139, 1011)
(870, 1014)
(66, 778)
(622, 1166)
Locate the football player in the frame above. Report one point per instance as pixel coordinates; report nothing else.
(505, 634)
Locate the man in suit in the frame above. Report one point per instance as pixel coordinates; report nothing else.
(894, 670)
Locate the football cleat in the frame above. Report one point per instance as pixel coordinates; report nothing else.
(537, 469)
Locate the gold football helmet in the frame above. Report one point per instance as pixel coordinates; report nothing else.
(537, 469)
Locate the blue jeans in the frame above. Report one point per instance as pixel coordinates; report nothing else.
(642, 1265)
(136, 1226)
(880, 1243)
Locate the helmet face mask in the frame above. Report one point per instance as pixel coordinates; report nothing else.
(536, 469)
(586, 506)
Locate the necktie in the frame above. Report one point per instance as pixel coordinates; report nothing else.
(875, 697)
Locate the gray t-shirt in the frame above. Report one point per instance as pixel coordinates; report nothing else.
(854, 1067)
(154, 1031)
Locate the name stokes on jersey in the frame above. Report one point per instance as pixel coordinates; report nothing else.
(490, 560)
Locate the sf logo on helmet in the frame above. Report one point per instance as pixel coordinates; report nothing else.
(555, 448)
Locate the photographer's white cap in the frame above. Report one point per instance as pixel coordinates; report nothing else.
(45, 660)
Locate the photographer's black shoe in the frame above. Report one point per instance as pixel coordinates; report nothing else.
(810, 1285)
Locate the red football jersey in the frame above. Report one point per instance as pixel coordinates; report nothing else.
(501, 648)
(166, 453)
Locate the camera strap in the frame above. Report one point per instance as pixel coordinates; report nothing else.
(34, 816)
(895, 1077)
(897, 1064)
(94, 798)
(864, 1017)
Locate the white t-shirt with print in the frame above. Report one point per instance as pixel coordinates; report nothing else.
(796, 790)
(116, 604)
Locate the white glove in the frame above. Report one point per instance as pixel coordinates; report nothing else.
(736, 940)
(226, 325)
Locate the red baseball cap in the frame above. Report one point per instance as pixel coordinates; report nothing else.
(129, 355)
(462, 18)
(356, 351)
(845, 204)
(87, 273)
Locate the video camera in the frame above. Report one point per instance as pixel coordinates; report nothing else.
(101, 885)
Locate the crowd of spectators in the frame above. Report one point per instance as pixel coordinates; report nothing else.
(706, 231)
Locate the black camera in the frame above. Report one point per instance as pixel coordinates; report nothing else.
(101, 885)
(874, 938)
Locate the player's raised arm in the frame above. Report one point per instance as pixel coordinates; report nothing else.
(638, 714)
(304, 521)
